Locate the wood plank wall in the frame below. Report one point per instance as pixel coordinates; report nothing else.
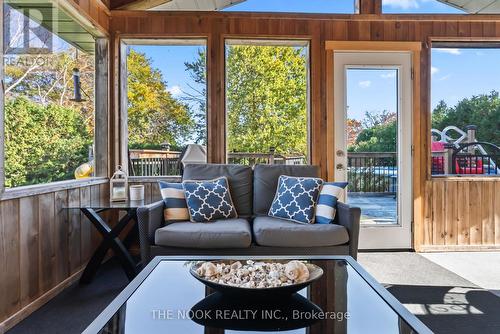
(462, 214)
(44, 246)
(318, 29)
(151, 190)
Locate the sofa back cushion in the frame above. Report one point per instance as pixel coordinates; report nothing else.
(238, 176)
(265, 183)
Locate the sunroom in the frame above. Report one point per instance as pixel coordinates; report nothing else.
(221, 166)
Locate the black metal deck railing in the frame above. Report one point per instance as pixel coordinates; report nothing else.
(477, 158)
(468, 159)
(372, 172)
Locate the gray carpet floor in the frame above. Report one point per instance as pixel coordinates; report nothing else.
(445, 302)
(77, 306)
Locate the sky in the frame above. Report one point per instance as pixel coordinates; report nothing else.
(456, 74)
(371, 90)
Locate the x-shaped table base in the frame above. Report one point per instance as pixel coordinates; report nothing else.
(111, 240)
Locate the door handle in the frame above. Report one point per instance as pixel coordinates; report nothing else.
(340, 167)
(340, 153)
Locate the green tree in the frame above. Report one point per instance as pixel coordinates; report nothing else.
(379, 133)
(48, 79)
(154, 116)
(266, 99)
(43, 143)
(439, 113)
(481, 110)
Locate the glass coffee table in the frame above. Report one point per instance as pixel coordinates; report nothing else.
(166, 298)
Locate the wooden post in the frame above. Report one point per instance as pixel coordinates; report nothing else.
(471, 137)
(369, 7)
(272, 150)
(101, 138)
(123, 127)
(448, 158)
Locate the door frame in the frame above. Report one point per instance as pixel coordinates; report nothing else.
(394, 235)
(418, 122)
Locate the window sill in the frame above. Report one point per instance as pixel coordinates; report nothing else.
(466, 177)
(38, 189)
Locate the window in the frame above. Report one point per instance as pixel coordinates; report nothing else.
(267, 101)
(419, 7)
(294, 6)
(465, 109)
(166, 105)
(49, 111)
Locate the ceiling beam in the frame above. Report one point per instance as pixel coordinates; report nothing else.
(369, 6)
(136, 4)
(106, 3)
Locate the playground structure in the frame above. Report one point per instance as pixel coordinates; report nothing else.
(462, 154)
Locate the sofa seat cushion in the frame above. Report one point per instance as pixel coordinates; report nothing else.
(276, 232)
(227, 233)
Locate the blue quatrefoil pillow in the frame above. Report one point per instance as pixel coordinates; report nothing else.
(296, 198)
(209, 200)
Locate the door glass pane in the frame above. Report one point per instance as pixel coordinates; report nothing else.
(372, 122)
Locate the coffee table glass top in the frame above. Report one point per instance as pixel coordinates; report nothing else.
(165, 298)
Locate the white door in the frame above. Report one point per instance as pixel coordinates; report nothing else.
(372, 117)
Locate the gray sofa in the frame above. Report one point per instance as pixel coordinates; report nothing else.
(253, 232)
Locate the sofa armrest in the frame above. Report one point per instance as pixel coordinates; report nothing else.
(349, 217)
(149, 219)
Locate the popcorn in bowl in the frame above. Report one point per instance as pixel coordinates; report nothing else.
(254, 274)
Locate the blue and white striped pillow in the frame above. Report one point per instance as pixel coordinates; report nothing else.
(327, 201)
(175, 201)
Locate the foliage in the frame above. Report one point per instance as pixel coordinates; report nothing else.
(46, 134)
(354, 128)
(44, 143)
(379, 129)
(481, 110)
(154, 116)
(48, 78)
(379, 133)
(266, 99)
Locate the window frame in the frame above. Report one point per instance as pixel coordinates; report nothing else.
(124, 42)
(278, 41)
(455, 42)
(101, 134)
